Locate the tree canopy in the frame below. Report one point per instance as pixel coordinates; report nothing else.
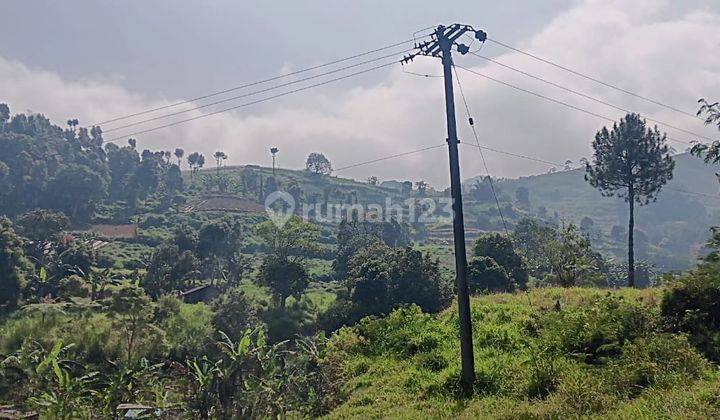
(12, 265)
(633, 162)
(317, 163)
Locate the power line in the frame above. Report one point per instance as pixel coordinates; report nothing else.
(559, 102)
(256, 92)
(502, 152)
(506, 153)
(389, 157)
(585, 76)
(554, 164)
(586, 96)
(256, 101)
(693, 192)
(246, 85)
(412, 73)
(482, 155)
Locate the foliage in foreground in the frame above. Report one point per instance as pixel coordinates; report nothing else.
(548, 353)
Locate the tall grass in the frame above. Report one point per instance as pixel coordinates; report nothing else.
(548, 353)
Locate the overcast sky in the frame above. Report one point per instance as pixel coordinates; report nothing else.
(95, 60)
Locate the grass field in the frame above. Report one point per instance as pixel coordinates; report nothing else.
(548, 353)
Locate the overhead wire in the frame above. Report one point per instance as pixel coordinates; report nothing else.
(594, 79)
(412, 73)
(256, 92)
(250, 84)
(555, 164)
(557, 101)
(586, 96)
(482, 155)
(502, 152)
(256, 101)
(477, 145)
(389, 157)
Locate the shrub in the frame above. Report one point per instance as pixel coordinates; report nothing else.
(595, 331)
(73, 286)
(94, 340)
(154, 220)
(582, 391)
(502, 250)
(692, 305)
(341, 313)
(489, 380)
(544, 373)
(382, 278)
(234, 313)
(404, 332)
(285, 323)
(486, 275)
(433, 361)
(189, 332)
(166, 307)
(29, 327)
(658, 360)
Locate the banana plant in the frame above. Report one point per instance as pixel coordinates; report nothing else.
(202, 375)
(65, 396)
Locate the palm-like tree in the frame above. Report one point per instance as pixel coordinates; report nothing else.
(179, 153)
(219, 158)
(194, 161)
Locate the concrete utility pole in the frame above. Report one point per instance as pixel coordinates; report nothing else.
(440, 46)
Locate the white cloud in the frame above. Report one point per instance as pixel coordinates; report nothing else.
(660, 49)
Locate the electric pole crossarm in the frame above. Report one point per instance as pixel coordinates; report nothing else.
(448, 34)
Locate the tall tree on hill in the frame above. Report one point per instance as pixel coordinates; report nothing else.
(200, 162)
(4, 114)
(72, 124)
(421, 188)
(219, 158)
(122, 161)
(283, 270)
(179, 153)
(196, 161)
(75, 191)
(148, 174)
(192, 161)
(632, 162)
(317, 163)
(12, 265)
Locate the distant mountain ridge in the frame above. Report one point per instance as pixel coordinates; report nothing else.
(675, 226)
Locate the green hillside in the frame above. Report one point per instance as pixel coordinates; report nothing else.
(672, 230)
(550, 353)
(128, 283)
(675, 227)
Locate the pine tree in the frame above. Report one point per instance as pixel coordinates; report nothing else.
(632, 162)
